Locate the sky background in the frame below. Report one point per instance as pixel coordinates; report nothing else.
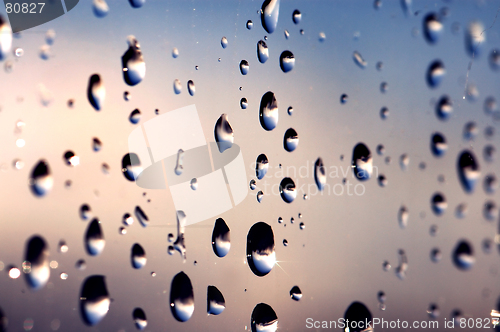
(338, 257)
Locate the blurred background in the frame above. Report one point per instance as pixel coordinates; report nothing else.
(416, 82)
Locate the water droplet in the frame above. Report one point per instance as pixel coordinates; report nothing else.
(320, 174)
(403, 216)
(223, 42)
(490, 105)
(193, 184)
(384, 113)
(131, 166)
(295, 293)
(249, 25)
(438, 145)
(463, 255)
(94, 238)
(94, 299)
(432, 27)
(444, 108)
(62, 247)
(495, 59)
(96, 144)
(489, 153)
(435, 74)
(343, 98)
(96, 93)
(41, 180)
(438, 204)
(436, 255)
(288, 190)
(177, 86)
(490, 211)
(470, 131)
(20, 143)
(221, 242)
(63, 276)
(301, 31)
(475, 37)
(262, 51)
(179, 168)
(433, 311)
(268, 113)
(140, 320)
(302, 225)
(215, 301)
(296, 16)
(100, 8)
(290, 140)
(290, 110)
(490, 183)
(285, 242)
(382, 180)
(37, 256)
(472, 93)
(141, 216)
(196, 67)
(468, 170)
(384, 87)
(179, 243)
(219, 61)
(287, 34)
(487, 245)
(135, 116)
(321, 37)
(403, 265)
(461, 210)
(85, 212)
(377, 4)
(261, 256)
(362, 162)
(181, 297)
(134, 67)
(191, 88)
(175, 52)
(6, 37)
(386, 266)
(243, 103)
(380, 150)
(269, 15)
(122, 230)
(18, 164)
(358, 312)
(358, 59)
(287, 61)
(264, 319)
(223, 133)
(138, 256)
(81, 265)
(260, 196)
(404, 162)
(244, 67)
(153, 274)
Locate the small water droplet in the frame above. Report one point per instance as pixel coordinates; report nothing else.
(435, 74)
(290, 140)
(386, 266)
(343, 98)
(177, 86)
(133, 65)
(41, 180)
(268, 113)
(403, 265)
(490, 183)
(475, 37)
(262, 51)
(138, 256)
(139, 317)
(494, 59)
(438, 204)
(358, 59)
(264, 318)
(100, 8)
(175, 52)
(470, 131)
(223, 42)
(94, 238)
(490, 211)
(287, 61)
(384, 113)
(463, 255)
(468, 170)
(179, 243)
(295, 293)
(384, 87)
(96, 93)
(320, 174)
(438, 144)
(249, 25)
(432, 28)
(191, 88)
(223, 133)
(403, 216)
(302, 225)
(321, 37)
(260, 196)
(244, 67)
(288, 190)
(252, 184)
(362, 162)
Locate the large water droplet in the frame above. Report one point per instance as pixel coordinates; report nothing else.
(100, 8)
(432, 27)
(358, 59)
(468, 170)
(268, 114)
(221, 242)
(244, 67)
(177, 86)
(139, 317)
(223, 133)
(475, 37)
(438, 203)
(37, 254)
(262, 51)
(181, 297)
(94, 300)
(444, 108)
(438, 144)
(138, 256)
(320, 174)
(96, 93)
(270, 11)
(191, 88)
(223, 42)
(403, 216)
(357, 312)
(260, 249)
(290, 140)
(295, 293)
(435, 73)
(264, 319)
(131, 166)
(262, 166)
(463, 255)
(94, 238)
(41, 180)
(5, 37)
(288, 190)
(287, 61)
(135, 116)
(215, 301)
(134, 67)
(362, 162)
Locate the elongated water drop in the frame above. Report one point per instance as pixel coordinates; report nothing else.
(268, 113)
(134, 67)
(287, 61)
(270, 11)
(141, 216)
(180, 242)
(320, 174)
(179, 166)
(468, 170)
(223, 133)
(249, 24)
(264, 319)
(191, 88)
(37, 254)
(139, 317)
(41, 180)
(494, 59)
(362, 162)
(223, 42)
(296, 16)
(181, 297)
(215, 301)
(221, 242)
(138, 256)
(96, 93)
(94, 299)
(262, 51)
(358, 59)
(261, 256)
(290, 140)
